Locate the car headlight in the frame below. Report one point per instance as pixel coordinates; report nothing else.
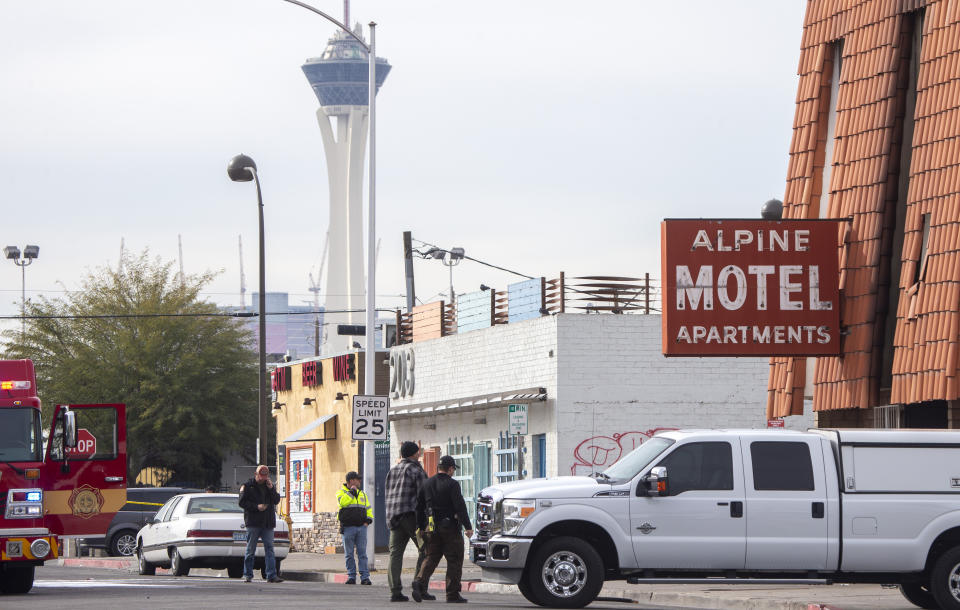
(515, 512)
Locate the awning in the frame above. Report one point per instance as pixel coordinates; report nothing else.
(484, 401)
(328, 422)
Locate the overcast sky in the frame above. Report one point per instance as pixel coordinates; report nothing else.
(542, 136)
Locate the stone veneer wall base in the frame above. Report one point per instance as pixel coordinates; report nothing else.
(324, 537)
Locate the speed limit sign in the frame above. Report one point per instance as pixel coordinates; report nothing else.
(370, 418)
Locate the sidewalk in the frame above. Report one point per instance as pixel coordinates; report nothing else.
(330, 568)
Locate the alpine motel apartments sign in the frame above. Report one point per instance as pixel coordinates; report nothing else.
(750, 287)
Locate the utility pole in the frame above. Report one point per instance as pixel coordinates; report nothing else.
(408, 269)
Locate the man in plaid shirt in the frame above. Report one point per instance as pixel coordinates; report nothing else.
(401, 487)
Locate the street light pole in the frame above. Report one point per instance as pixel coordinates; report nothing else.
(243, 169)
(370, 357)
(30, 253)
(370, 349)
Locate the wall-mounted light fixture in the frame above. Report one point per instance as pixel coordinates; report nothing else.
(429, 426)
(277, 408)
(341, 397)
(480, 420)
(308, 401)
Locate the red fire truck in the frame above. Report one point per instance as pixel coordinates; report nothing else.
(51, 486)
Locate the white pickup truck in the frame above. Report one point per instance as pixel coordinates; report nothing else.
(737, 506)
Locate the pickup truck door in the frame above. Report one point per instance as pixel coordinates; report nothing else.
(700, 525)
(85, 486)
(788, 512)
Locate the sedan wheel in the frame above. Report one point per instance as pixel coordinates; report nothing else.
(144, 567)
(178, 566)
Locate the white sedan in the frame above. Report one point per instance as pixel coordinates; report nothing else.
(202, 530)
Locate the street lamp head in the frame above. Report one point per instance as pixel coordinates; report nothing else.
(12, 252)
(456, 253)
(239, 168)
(434, 252)
(772, 210)
(31, 251)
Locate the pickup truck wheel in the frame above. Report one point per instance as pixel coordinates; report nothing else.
(945, 580)
(566, 572)
(16, 580)
(919, 595)
(527, 592)
(178, 566)
(123, 543)
(144, 567)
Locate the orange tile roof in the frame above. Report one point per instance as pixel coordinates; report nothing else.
(863, 187)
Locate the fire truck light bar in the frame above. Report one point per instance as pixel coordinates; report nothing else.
(14, 385)
(24, 504)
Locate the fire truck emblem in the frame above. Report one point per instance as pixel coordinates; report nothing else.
(86, 501)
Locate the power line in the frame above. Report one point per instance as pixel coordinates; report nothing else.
(529, 277)
(238, 314)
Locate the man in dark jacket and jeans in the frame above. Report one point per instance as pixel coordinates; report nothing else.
(258, 499)
(402, 485)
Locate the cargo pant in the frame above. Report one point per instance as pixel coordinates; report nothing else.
(404, 532)
(446, 542)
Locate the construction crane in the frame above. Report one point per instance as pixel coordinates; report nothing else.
(315, 289)
(243, 280)
(180, 250)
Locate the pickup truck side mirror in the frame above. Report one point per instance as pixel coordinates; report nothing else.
(656, 483)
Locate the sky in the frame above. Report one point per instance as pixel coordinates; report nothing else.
(541, 136)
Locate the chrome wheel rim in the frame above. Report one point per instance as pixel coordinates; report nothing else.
(564, 574)
(141, 561)
(126, 545)
(953, 582)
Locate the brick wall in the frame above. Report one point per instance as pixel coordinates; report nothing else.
(615, 386)
(608, 385)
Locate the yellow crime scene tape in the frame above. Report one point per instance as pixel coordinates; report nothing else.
(146, 503)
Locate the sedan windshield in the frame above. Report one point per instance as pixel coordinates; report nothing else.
(631, 464)
(19, 435)
(214, 504)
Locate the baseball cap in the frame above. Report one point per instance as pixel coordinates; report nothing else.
(446, 462)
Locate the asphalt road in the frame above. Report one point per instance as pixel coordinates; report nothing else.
(80, 588)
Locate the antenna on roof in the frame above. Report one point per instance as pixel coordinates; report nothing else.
(346, 13)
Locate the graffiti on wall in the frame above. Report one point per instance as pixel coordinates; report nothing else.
(599, 452)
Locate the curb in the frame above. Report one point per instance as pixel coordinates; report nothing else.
(662, 598)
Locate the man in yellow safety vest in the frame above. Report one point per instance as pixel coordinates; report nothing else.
(355, 516)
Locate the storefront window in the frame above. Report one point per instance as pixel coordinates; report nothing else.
(301, 484)
(461, 450)
(506, 457)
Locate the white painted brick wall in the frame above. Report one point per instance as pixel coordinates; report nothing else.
(607, 383)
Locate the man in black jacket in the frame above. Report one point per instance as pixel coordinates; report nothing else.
(258, 499)
(441, 513)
